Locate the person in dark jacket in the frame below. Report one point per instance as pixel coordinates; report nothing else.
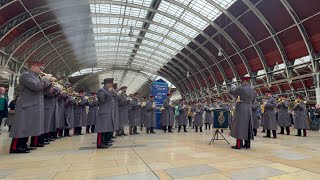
(12, 107)
(3, 105)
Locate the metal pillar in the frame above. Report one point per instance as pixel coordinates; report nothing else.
(12, 83)
(317, 86)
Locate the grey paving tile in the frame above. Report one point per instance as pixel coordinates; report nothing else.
(190, 171)
(135, 176)
(256, 173)
(5, 172)
(293, 157)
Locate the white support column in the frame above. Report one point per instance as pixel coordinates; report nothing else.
(12, 82)
(317, 86)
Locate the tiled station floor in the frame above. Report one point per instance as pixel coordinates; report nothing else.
(165, 156)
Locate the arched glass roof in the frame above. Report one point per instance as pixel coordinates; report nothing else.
(198, 45)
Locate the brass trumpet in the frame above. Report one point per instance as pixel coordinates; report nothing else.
(49, 76)
(297, 101)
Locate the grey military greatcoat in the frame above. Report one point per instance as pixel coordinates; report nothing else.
(198, 120)
(183, 117)
(242, 125)
(29, 111)
(283, 114)
(61, 104)
(106, 113)
(150, 115)
(255, 118)
(167, 113)
(80, 113)
(269, 115)
(70, 104)
(208, 115)
(49, 111)
(92, 114)
(300, 116)
(133, 112)
(123, 111)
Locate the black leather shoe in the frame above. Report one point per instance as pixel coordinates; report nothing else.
(185, 131)
(19, 151)
(31, 148)
(124, 134)
(153, 132)
(235, 147)
(111, 141)
(113, 137)
(170, 131)
(297, 135)
(102, 147)
(39, 145)
(267, 136)
(246, 147)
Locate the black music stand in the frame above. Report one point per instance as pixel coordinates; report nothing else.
(220, 121)
(215, 136)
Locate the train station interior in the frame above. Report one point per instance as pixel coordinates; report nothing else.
(200, 50)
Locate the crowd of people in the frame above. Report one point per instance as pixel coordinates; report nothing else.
(42, 112)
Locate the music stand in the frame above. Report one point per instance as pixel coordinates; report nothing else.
(215, 136)
(220, 121)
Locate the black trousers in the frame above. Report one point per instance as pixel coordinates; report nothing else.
(200, 129)
(37, 140)
(255, 131)
(184, 128)
(66, 132)
(19, 143)
(287, 129)
(274, 133)
(304, 132)
(240, 144)
(1, 116)
(207, 124)
(77, 130)
(103, 138)
(90, 128)
(190, 120)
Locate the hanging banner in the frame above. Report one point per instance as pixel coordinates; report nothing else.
(159, 90)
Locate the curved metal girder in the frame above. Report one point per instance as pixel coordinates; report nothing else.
(306, 39)
(36, 14)
(245, 32)
(213, 42)
(272, 32)
(169, 75)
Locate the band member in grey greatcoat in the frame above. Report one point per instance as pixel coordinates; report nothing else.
(123, 110)
(198, 120)
(62, 120)
(134, 114)
(208, 120)
(168, 114)
(300, 116)
(242, 125)
(269, 115)
(29, 111)
(80, 113)
(92, 113)
(150, 115)
(183, 117)
(105, 124)
(284, 120)
(69, 106)
(255, 118)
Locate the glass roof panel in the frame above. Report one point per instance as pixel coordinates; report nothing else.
(123, 39)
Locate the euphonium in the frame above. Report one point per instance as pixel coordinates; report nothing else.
(297, 101)
(238, 99)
